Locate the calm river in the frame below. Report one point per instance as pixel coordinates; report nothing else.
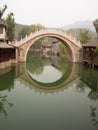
(48, 94)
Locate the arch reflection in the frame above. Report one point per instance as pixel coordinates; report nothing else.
(69, 75)
(46, 71)
(35, 67)
(77, 75)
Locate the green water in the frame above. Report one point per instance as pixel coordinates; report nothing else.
(48, 94)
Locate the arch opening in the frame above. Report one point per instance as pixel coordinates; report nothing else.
(59, 46)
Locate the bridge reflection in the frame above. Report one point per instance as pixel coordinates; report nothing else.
(77, 75)
(68, 79)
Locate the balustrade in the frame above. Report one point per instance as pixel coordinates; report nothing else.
(46, 31)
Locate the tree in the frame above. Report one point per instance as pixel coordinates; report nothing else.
(63, 50)
(84, 36)
(28, 29)
(23, 32)
(96, 25)
(10, 26)
(35, 27)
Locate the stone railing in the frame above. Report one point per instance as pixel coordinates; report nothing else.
(48, 31)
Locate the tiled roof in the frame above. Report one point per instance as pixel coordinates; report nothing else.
(5, 45)
(93, 42)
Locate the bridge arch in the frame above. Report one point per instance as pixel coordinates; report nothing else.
(72, 45)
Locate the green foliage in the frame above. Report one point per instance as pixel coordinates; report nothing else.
(10, 27)
(74, 31)
(19, 30)
(23, 32)
(37, 44)
(3, 103)
(84, 36)
(96, 50)
(34, 28)
(34, 63)
(63, 49)
(20, 26)
(26, 30)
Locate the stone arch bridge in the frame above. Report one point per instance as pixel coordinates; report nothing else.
(72, 44)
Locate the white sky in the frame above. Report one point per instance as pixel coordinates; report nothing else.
(51, 13)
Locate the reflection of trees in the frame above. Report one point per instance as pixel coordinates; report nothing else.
(60, 63)
(94, 116)
(7, 80)
(90, 78)
(93, 95)
(67, 77)
(34, 63)
(80, 87)
(3, 102)
(6, 83)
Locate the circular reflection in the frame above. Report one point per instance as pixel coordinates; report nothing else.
(49, 74)
(65, 81)
(46, 70)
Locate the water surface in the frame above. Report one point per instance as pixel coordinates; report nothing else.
(50, 94)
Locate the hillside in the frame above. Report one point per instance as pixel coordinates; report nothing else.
(73, 28)
(18, 28)
(80, 24)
